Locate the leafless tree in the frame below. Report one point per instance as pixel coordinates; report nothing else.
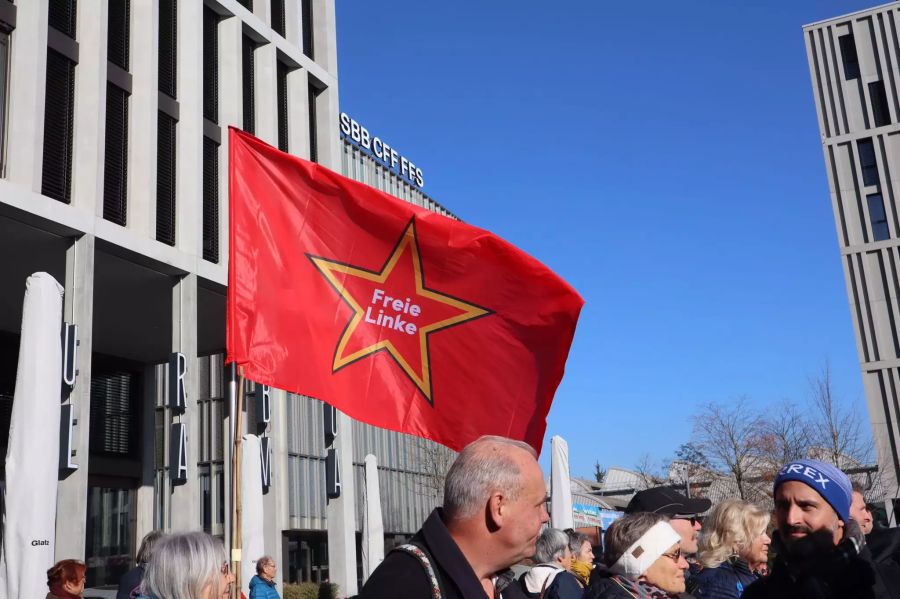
(432, 461)
(785, 435)
(727, 434)
(837, 430)
(648, 473)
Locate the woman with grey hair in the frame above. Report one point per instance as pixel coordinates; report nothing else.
(130, 583)
(643, 559)
(188, 565)
(550, 578)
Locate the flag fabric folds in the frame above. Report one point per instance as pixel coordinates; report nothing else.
(561, 515)
(32, 457)
(396, 315)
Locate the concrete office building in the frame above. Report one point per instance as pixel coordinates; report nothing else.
(113, 178)
(854, 63)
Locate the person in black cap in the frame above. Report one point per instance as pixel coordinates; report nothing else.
(684, 516)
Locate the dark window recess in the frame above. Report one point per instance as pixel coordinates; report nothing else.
(118, 33)
(282, 107)
(168, 49)
(248, 4)
(247, 48)
(881, 114)
(278, 16)
(4, 86)
(165, 179)
(115, 172)
(210, 200)
(114, 419)
(210, 65)
(848, 54)
(867, 162)
(59, 109)
(62, 16)
(307, 17)
(313, 129)
(878, 218)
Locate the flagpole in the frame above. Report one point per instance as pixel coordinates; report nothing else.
(236, 488)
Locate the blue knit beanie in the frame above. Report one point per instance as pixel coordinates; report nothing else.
(827, 480)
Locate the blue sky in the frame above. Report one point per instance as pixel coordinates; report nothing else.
(664, 158)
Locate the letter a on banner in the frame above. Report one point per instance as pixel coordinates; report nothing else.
(178, 453)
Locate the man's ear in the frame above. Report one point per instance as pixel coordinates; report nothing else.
(496, 509)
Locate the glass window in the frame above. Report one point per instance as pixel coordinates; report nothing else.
(867, 162)
(849, 57)
(878, 218)
(881, 114)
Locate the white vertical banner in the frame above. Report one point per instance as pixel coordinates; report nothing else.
(373, 526)
(252, 541)
(32, 457)
(560, 486)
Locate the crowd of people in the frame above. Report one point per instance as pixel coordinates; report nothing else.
(818, 543)
(490, 539)
(187, 565)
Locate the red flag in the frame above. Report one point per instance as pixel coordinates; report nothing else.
(395, 315)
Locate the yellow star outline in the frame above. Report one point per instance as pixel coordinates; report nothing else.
(330, 269)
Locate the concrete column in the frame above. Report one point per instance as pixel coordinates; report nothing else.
(275, 502)
(341, 515)
(292, 31)
(230, 113)
(327, 115)
(184, 502)
(266, 90)
(27, 82)
(71, 498)
(89, 141)
(145, 500)
(143, 115)
(324, 37)
(189, 155)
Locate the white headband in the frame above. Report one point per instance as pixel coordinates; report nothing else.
(646, 550)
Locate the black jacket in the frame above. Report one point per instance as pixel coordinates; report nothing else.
(602, 586)
(838, 573)
(727, 581)
(401, 575)
(563, 586)
(129, 582)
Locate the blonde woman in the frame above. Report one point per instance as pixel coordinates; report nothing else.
(734, 546)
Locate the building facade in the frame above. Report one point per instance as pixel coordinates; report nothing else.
(114, 121)
(854, 63)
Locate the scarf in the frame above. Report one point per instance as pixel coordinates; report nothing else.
(582, 571)
(640, 589)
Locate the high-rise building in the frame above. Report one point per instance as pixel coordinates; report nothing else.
(854, 63)
(114, 121)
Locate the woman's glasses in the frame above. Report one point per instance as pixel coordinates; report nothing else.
(675, 556)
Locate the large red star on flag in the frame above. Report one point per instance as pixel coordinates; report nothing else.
(393, 310)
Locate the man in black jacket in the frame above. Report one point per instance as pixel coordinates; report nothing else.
(820, 550)
(494, 508)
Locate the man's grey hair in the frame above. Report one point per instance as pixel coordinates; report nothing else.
(147, 544)
(481, 468)
(576, 540)
(183, 563)
(551, 545)
(263, 562)
(622, 533)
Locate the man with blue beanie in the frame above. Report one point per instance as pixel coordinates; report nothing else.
(820, 550)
